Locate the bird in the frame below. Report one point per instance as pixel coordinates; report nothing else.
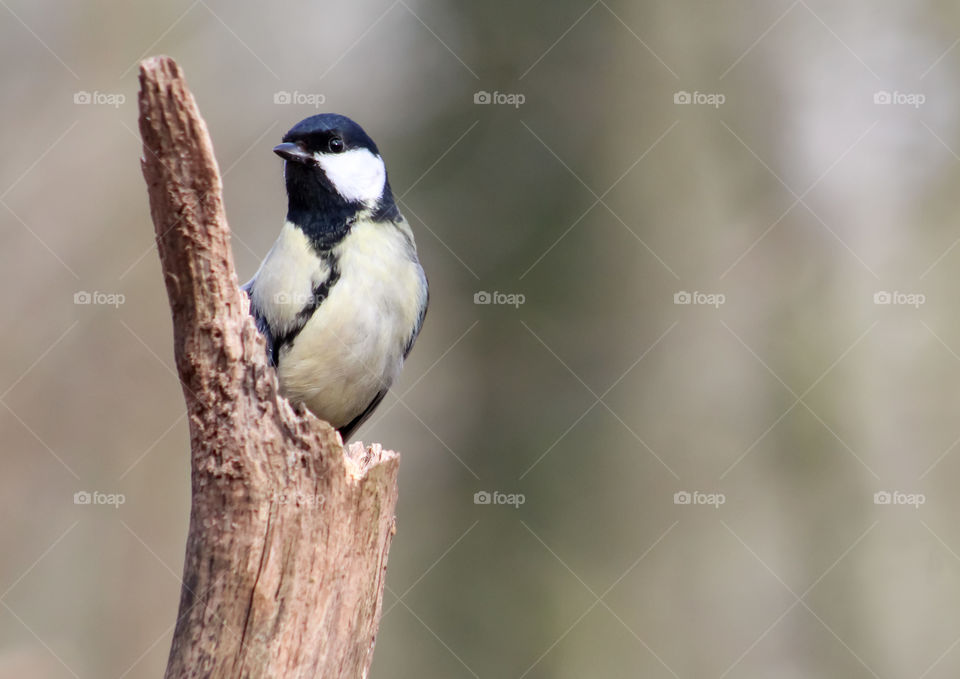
(341, 296)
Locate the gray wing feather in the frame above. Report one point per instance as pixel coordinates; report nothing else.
(262, 325)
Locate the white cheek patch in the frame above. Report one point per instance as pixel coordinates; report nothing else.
(358, 175)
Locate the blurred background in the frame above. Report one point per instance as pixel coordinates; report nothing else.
(685, 403)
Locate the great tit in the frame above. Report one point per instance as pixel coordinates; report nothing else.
(341, 296)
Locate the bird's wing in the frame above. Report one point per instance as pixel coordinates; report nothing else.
(420, 319)
(262, 324)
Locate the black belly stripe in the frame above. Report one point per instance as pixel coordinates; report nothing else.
(320, 293)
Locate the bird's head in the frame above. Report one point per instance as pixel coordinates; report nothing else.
(332, 163)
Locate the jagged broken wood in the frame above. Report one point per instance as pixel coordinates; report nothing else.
(289, 533)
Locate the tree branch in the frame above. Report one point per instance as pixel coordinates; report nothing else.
(289, 533)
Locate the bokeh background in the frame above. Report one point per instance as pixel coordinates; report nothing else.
(788, 168)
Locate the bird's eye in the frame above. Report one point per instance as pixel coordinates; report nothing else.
(335, 145)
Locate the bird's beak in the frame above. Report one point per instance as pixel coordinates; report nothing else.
(293, 152)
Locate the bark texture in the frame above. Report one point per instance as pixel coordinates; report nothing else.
(289, 532)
